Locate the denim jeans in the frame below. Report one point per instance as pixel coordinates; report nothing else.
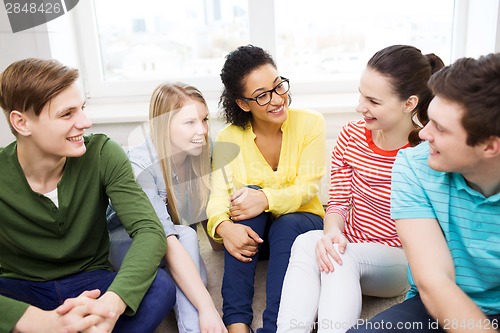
(411, 316)
(156, 304)
(185, 313)
(238, 280)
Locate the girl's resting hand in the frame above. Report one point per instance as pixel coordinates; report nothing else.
(325, 250)
(210, 321)
(239, 240)
(247, 203)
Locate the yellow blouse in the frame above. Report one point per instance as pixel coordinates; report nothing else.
(238, 162)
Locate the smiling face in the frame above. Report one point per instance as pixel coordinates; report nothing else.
(381, 108)
(447, 138)
(262, 79)
(58, 130)
(188, 129)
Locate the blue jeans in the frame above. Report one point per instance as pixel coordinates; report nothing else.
(156, 304)
(238, 280)
(409, 316)
(185, 313)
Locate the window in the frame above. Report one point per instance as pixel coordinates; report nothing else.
(161, 39)
(321, 45)
(332, 40)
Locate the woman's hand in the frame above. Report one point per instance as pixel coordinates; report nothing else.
(247, 203)
(210, 321)
(239, 240)
(325, 250)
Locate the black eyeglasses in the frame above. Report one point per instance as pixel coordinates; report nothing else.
(264, 98)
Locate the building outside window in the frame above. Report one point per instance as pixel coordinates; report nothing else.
(321, 45)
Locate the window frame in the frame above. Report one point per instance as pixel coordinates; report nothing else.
(262, 33)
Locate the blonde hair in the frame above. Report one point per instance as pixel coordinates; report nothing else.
(166, 99)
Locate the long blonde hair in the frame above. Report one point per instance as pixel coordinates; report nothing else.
(166, 99)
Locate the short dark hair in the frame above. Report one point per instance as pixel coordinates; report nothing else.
(27, 85)
(408, 71)
(475, 85)
(238, 65)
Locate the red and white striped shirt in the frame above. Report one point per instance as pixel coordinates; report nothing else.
(360, 186)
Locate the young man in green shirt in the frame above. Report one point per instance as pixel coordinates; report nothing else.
(55, 185)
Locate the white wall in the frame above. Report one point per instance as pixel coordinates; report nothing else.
(36, 42)
(483, 28)
(14, 47)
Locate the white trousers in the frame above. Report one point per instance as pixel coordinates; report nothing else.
(335, 298)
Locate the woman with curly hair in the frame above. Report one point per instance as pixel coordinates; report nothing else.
(265, 197)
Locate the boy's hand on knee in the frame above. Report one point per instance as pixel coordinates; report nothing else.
(115, 306)
(76, 320)
(77, 315)
(88, 313)
(70, 303)
(37, 320)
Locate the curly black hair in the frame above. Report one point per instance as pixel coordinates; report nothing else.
(238, 65)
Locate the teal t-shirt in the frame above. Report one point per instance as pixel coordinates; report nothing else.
(470, 222)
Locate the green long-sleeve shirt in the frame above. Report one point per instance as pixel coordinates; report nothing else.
(40, 241)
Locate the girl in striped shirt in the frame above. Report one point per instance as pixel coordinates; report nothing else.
(359, 252)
